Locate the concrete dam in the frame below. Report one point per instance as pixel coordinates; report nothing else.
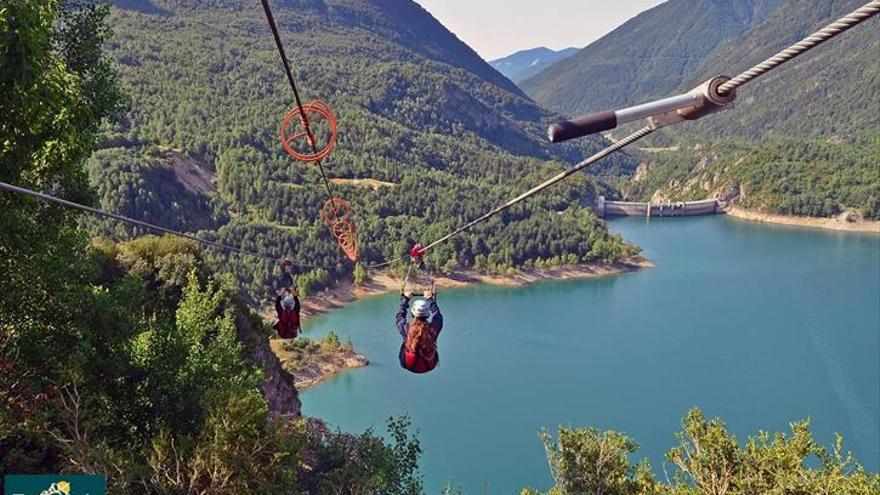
(605, 208)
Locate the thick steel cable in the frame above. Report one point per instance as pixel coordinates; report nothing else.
(121, 218)
(305, 119)
(535, 190)
(830, 31)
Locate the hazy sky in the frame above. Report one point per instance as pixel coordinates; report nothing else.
(497, 28)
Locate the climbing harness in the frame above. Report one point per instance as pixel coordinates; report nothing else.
(301, 141)
(418, 277)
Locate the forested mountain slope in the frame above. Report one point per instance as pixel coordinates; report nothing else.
(820, 112)
(418, 110)
(801, 140)
(646, 57)
(833, 91)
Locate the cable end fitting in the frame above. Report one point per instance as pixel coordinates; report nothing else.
(708, 101)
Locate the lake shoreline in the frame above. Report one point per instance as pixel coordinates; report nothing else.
(345, 292)
(839, 224)
(321, 367)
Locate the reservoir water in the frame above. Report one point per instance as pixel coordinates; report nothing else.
(759, 325)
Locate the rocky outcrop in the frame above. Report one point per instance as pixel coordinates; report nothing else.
(278, 385)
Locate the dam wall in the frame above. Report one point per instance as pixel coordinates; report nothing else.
(605, 208)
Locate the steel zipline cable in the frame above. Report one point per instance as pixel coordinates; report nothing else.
(101, 213)
(535, 190)
(842, 25)
(845, 23)
(270, 18)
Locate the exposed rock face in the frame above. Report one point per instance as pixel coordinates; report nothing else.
(728, 193)
(642, 172)
(278, 385)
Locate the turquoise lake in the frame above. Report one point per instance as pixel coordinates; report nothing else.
(759, 325)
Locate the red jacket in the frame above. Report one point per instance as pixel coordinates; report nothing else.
(288, 319)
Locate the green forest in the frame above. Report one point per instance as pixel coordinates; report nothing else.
(140, 359)
(821, 106)
(446, 137)
(790, 176)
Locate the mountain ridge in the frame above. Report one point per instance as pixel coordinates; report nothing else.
(646, 57)
(524, 64)
(205, 79)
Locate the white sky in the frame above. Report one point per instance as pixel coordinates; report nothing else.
(497, 28)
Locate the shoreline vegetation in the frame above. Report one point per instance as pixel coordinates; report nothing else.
(312, 362)
(323, 363)
(346, 292)
(841, 223)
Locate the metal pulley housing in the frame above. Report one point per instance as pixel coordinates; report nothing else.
(696, 103)
(706, 101)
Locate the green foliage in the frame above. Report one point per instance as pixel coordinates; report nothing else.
(360, 274)
(371, 466)
(586, 461)
(312, 281)
(707, 461)
(791, 176)
(126, 359)
(53, 101)
(826, 96)
(830, 92)
(446, 135)
(145, 185)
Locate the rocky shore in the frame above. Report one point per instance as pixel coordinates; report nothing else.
(847, 222)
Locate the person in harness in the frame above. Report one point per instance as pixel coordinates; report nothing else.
(287, 306)
(418, 352)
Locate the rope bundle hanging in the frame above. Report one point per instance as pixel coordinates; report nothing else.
(297, 132)
(301, 141)
(336, 213)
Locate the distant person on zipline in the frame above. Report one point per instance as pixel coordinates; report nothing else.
(287, 306)
(418, 352)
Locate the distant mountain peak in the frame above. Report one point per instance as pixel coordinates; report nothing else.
(527, 63)
(646, 57)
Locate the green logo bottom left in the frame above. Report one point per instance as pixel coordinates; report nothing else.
(54, 484)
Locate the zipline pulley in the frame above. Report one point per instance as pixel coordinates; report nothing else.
(417, 276)
(703, 100)
(285, 280)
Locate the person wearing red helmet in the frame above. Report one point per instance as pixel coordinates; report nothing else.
(418, 351)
